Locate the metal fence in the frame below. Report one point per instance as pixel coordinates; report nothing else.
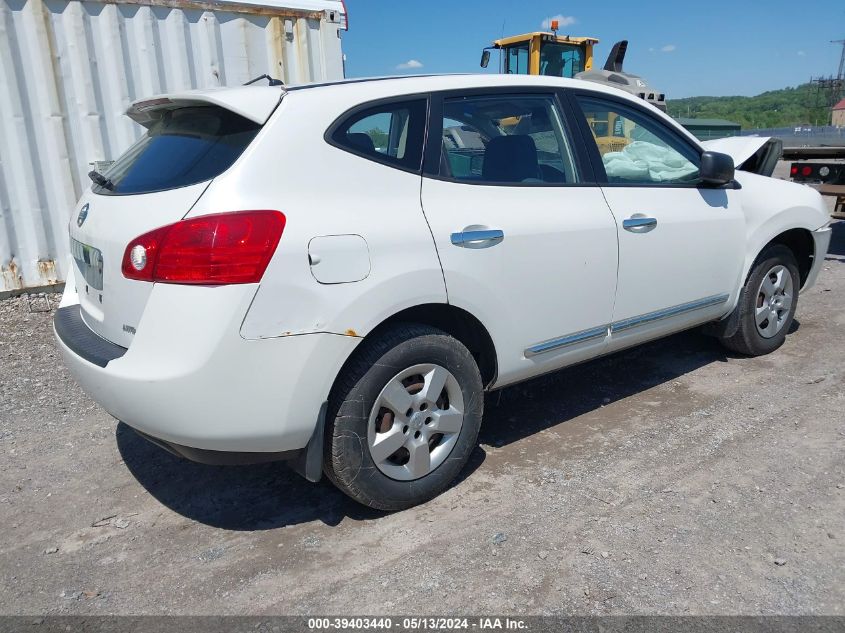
(69, 69)
(803, 136)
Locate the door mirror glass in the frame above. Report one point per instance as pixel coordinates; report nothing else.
(716, 168)
(485, 59)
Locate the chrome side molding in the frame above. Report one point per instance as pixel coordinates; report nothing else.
(666, 313)
(571, 339)
(620, 326)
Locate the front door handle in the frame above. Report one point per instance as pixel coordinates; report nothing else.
(639, 223)
(472, 237)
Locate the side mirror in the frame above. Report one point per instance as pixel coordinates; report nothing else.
(716, 168)
(485, 59)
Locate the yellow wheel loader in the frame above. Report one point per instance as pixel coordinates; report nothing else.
(544, 53)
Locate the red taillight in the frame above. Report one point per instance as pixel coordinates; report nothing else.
(806, 171)
(794, 170)
(224, 248)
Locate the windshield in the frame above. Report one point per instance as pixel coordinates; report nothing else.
(561, 60)
(186, 146)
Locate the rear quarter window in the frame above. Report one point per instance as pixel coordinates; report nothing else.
(185, 147)
(390, 133)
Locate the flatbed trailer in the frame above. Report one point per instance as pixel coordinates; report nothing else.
(829, 176)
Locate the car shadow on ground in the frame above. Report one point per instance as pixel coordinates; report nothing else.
(255, 497)
(267, 496)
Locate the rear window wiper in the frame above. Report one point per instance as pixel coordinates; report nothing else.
(99, 179)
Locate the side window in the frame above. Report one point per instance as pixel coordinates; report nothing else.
(512, 139)
(391, 133)
(635, 148)
(516, 59)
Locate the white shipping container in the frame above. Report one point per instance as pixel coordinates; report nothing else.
(69, 70)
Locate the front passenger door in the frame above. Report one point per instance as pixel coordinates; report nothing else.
(681, 243)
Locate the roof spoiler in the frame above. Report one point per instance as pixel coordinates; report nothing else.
(255, 104)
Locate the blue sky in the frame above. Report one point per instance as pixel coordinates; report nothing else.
(710, 47)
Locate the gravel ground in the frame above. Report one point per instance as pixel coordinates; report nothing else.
(673, 478)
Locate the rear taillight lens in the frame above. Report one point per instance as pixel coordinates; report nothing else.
(794, 170)
(224, 248)
(806, 171)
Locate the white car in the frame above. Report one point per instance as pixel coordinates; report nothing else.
(335, 274)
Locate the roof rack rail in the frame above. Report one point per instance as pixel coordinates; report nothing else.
(272, 80)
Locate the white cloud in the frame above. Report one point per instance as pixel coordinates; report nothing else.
(563, 20)
(411, 63)
(668, 48)
(801, 53)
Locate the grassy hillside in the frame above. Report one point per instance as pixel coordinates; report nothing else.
(778, 108)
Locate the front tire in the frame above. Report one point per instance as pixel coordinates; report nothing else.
(767, 303)
(403, 417)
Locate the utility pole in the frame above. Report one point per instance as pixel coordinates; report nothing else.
(831, 89)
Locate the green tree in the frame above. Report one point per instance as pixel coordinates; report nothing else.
(776, 108)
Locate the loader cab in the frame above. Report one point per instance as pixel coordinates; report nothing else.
(543, 54)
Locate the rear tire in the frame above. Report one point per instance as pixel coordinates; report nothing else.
(403, 417)
(767, 303)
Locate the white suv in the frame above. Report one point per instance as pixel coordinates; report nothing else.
(335, 274)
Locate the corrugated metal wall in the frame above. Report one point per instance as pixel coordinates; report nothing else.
(69, 69)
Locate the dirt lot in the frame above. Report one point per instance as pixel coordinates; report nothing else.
(673, 478)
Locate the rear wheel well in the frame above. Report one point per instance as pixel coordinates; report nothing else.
(800, 242)
(456, 322)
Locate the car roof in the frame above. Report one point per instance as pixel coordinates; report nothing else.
(424, 83)
(372, 88)
(356, 91)
(257, 102)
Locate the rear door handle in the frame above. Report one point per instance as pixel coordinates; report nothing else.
(472, 237)
(639, 223)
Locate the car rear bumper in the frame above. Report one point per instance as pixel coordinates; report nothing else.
(81, 340)
(191, 381)
(821, 242)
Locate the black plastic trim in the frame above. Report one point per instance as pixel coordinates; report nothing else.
(309, 461)
(73, 332)
(219, 458)
(363, 80)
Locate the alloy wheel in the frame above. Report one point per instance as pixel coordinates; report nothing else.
(774, 301)
(415, 422)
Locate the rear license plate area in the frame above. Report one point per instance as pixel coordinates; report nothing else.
(89, 260)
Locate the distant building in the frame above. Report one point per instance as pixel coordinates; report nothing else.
(837, 115)
(706, 129)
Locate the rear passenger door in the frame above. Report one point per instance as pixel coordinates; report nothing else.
(525, 238)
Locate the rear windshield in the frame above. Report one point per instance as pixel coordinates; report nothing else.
(186, 146)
